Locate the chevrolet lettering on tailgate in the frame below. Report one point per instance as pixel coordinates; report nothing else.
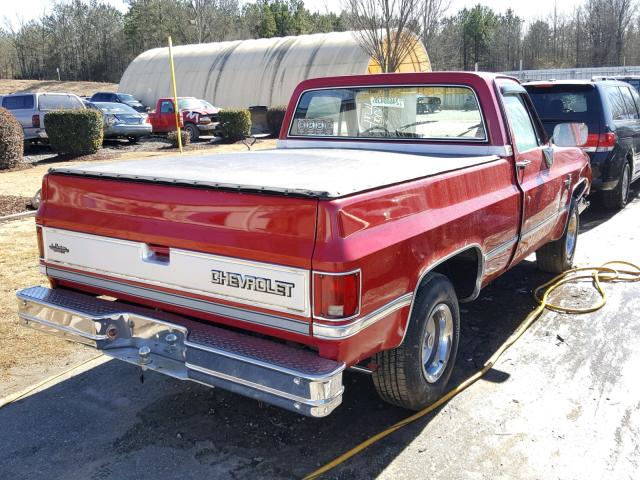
(249, 282)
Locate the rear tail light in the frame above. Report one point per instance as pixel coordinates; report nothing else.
(336, 296)
(35, 121)
(603, 142)
(40, 241)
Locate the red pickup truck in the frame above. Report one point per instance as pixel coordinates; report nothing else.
(196, 116)
(350, 245)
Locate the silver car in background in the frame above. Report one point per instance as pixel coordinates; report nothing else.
(29, 109)
(122, 121)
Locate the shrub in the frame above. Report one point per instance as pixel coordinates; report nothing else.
(235, 124)
(173, 138)
(11, 140)
(275, 117)
(74, 131)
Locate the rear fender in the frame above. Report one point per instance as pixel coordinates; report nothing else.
(475, 278)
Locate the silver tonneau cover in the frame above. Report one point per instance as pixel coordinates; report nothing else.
(314, 172)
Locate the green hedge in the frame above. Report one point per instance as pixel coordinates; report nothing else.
(173, 138)
(74, 131)
(11, 140)
(235, 124)
(275, 117)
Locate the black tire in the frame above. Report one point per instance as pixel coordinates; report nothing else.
(557, 256)
(133, 139)
(192, 130)
(402, 378)
(617, 198)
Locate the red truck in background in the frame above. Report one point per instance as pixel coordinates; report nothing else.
(349, 245)
(197, 116)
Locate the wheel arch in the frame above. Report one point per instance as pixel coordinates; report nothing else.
(467, 281)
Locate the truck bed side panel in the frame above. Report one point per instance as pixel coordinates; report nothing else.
(396, 234)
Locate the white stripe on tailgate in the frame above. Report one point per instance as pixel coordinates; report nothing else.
(259, 284)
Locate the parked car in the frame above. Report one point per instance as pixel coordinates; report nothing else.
(611, 110)
(350, 245)
(633, 80)
(197, 116)
(29, 109)
(122, 121)
(124, 98)
(427, 104)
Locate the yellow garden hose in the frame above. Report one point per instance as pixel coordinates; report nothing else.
(604, 273)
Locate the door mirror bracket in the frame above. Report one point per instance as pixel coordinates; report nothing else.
(548, 154)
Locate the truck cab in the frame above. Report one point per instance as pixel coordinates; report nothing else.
(196, 116)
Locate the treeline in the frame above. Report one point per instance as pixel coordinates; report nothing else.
(595, 34)
(91, 40)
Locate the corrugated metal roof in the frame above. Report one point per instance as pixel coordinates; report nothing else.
(244, 73)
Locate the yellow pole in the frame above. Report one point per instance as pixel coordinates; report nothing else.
(175, 95)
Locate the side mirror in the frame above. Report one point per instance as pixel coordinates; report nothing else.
(570, 134)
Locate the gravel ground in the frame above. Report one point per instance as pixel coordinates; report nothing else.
(10, 204)
(35, 154)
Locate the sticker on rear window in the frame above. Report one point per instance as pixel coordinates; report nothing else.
(315, 126)
(389, 102)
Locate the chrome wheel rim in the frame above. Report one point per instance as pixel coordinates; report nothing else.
(437, 342)
(572, 235)
(625, 184)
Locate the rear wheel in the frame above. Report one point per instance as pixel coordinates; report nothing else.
(192, 130)
(557, 256)
(415, 374)
(617, 198)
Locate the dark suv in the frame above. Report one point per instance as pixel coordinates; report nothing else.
(611, 110)
(125, 98)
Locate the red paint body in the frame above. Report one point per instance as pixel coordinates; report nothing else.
(163, 121)
(392, 234)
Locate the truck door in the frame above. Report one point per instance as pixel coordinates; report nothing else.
(540, 179)
(166, 117)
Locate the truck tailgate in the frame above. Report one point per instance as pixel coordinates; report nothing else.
(234, 248)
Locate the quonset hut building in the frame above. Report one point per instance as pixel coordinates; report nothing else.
(246, 73)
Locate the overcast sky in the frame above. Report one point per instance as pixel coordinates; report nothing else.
(531, 9)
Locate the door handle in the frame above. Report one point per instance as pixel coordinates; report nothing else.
(523, 163)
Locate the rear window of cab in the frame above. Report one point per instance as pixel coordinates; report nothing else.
(404, 112)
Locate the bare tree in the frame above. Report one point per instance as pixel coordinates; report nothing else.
(623, 11)
(432, 13)
(386, 29)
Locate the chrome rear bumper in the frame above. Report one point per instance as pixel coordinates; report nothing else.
(285, 376)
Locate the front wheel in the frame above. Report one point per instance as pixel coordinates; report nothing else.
(557, 256)
(192, 130)
(415, 374)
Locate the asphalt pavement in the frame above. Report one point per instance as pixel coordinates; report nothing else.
(563, 403)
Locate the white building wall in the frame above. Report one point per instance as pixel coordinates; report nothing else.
(246, 72)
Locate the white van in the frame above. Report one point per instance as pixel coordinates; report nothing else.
(29, 109)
